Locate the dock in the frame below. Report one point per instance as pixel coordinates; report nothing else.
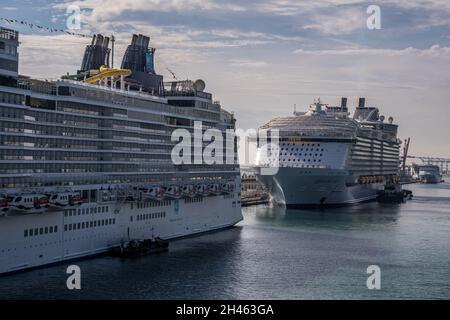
(253, 192)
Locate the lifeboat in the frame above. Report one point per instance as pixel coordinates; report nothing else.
(203, 189)
(156, 193)
(173, 192)
(216, 188)
(225, 187)
(30, 201)
(107, 195)
(63, 199)
(75, 199)
(42, 202)
(189, 190)
(4, 205)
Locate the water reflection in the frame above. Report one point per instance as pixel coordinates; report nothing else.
(277, 253)
(346, 217)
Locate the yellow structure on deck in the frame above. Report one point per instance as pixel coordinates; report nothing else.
(106, 72)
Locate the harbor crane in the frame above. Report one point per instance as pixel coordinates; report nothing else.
(443, 163)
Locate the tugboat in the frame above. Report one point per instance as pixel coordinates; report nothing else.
(393, 193)
(138, 248)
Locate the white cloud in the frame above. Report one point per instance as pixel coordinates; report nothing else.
(110, 9)
(434, 51)
(254, 71)
(246, 63)
(340, 21)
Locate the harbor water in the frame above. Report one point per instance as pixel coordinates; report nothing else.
(278, 254)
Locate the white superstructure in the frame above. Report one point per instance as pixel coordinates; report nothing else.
(84, 167)
(326, 158)
(429, 173)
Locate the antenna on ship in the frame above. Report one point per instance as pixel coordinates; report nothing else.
(113, 39)
(172, 73)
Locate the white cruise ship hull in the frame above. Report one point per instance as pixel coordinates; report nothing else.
(114, 222)
(431, 178)
(315, 187)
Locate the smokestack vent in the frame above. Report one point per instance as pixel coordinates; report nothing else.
(362, 102)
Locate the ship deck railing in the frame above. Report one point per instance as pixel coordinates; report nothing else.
(140, 94)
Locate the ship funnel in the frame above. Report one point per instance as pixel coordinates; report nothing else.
(139, 58)
(343, 102)
(105, 42)
(96, 54)
(361, 102)
(99, 40)
(134, 39)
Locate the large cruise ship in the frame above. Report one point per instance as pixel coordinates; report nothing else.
(85, 161)
(428, 173)
(326, 158)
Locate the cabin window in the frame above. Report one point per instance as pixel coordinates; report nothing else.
(25, 233)
(55, 228)
(46, 230)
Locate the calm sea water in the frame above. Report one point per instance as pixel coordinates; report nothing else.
(279, 254)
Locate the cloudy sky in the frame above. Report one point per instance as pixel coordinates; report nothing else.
(262, 57)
